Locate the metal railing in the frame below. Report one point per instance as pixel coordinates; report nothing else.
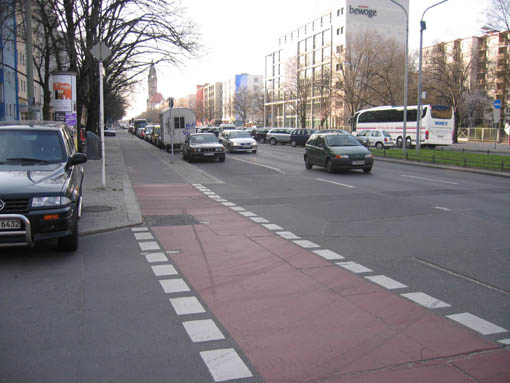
(481, 135)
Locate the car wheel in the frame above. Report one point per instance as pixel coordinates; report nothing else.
(254, 151)
(230, 149)
(379, 145)
(221, 159)
(293, 143)
(184, 156)
(69, 243)
(329, 166)
(190, 158)
(308, 165)
(367, 170)
(272, 141)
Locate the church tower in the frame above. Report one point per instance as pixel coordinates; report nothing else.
(152, 84)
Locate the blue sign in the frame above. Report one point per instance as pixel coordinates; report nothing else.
(497, 104)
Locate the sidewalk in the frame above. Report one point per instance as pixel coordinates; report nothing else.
(115, 206)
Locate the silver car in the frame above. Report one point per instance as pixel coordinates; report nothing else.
(279, 136)
(238, 141)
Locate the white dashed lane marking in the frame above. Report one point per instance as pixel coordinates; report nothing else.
(386, 282)
(287, 235)
(430, 179)
(174, 286)
(203, 330)
(225, 364)
(426, 300)
(237, 208)
(354, 267)
(336, 183)
(475, 323)
(137, 229)
(271, 226)
(328, 254)
(143, 236)
(306, 244)
(248, 213)
(259, 220)
(156, 257)
(187, 305)
(164, 270)
(145, 246)
(228, 204)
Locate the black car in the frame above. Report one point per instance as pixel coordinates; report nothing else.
(300, 136)
(40, 184)
(202, 146)
(260, 135)
(337, 152)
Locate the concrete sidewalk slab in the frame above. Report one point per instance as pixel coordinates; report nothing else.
(114, 206)
(299, 317)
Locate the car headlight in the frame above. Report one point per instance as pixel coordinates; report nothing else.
(340, 156)
(369, 155)
(50, 201)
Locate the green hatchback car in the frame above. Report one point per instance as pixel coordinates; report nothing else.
(337, 152)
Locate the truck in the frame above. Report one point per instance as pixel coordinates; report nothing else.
(176, 124)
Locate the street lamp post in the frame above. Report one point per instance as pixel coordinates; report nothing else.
(423, 26)
(404, 138)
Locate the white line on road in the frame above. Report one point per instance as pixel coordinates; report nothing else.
(174, 286)
(156, 257)
(164, 270)
(135, 229)
(426, 300)
(203, 330)
(248, 213)
(430, 179)
(354, 267)
(228, 204)
(442, 208)
(141, 236)
(187, 305)
(306, 244)
(225, 364)
(328, 254)
(145, 246)
(336, 183)
(386, 282)
(254, 163)
(475, 323)
(287, 235)
(237, 208)
(272, 226)
(259, 219)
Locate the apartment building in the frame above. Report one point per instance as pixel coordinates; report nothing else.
(9, 108)
(213, 102)
(487, 59)
(313, 51)
(242, 90)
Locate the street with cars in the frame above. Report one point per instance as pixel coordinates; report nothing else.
(299, 274)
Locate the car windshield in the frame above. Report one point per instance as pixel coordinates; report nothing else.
(203, 138)
(341, 140)
(30, 147)
(241, 134)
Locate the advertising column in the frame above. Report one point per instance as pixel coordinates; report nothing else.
(63, 100)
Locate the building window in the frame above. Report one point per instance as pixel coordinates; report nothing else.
(338, 31)
(342, 30)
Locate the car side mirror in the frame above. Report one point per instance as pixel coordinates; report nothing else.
(77, 158)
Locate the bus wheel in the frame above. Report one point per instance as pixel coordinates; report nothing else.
(399, 142)
(409, 143)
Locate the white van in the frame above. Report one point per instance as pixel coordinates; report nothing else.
(176, 124)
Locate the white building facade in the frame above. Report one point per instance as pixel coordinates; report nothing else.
(238, 90)
(313, 51)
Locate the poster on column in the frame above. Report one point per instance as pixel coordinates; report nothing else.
(64, 92)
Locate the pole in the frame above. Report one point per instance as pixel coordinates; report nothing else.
(423, 26)
(101, 121)
(30, 60)
(404, 138)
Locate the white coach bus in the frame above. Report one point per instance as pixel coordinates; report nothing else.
(437, 123)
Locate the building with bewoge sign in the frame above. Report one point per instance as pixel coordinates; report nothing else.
(299, 70)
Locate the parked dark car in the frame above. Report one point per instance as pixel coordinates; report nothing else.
(202, 146)
(40, 184)
(300, 136)
(260, 135)
(337, 152)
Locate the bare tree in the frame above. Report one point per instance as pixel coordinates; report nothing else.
(447, 80)
(473, 107)
(498, 15)
(297, 88)
(243, 104)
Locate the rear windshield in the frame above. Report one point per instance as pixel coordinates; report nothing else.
(441, 112)
(29, 147)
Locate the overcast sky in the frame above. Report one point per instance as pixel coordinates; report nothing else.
(237, 34)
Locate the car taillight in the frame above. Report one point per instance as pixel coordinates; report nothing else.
(426, 134)
(385, 139)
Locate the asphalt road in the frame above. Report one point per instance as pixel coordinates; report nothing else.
(440, 232)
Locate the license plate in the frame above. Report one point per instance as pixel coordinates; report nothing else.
(358, 162)
(10, 224)
(208, 154)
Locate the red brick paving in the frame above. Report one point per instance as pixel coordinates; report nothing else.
(300, 318)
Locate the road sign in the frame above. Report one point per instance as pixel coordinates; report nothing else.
(497, 104)
(496, 115)
(101, 51)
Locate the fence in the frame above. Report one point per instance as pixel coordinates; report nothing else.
(481, 135)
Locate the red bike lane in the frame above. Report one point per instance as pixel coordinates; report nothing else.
(300, 318)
